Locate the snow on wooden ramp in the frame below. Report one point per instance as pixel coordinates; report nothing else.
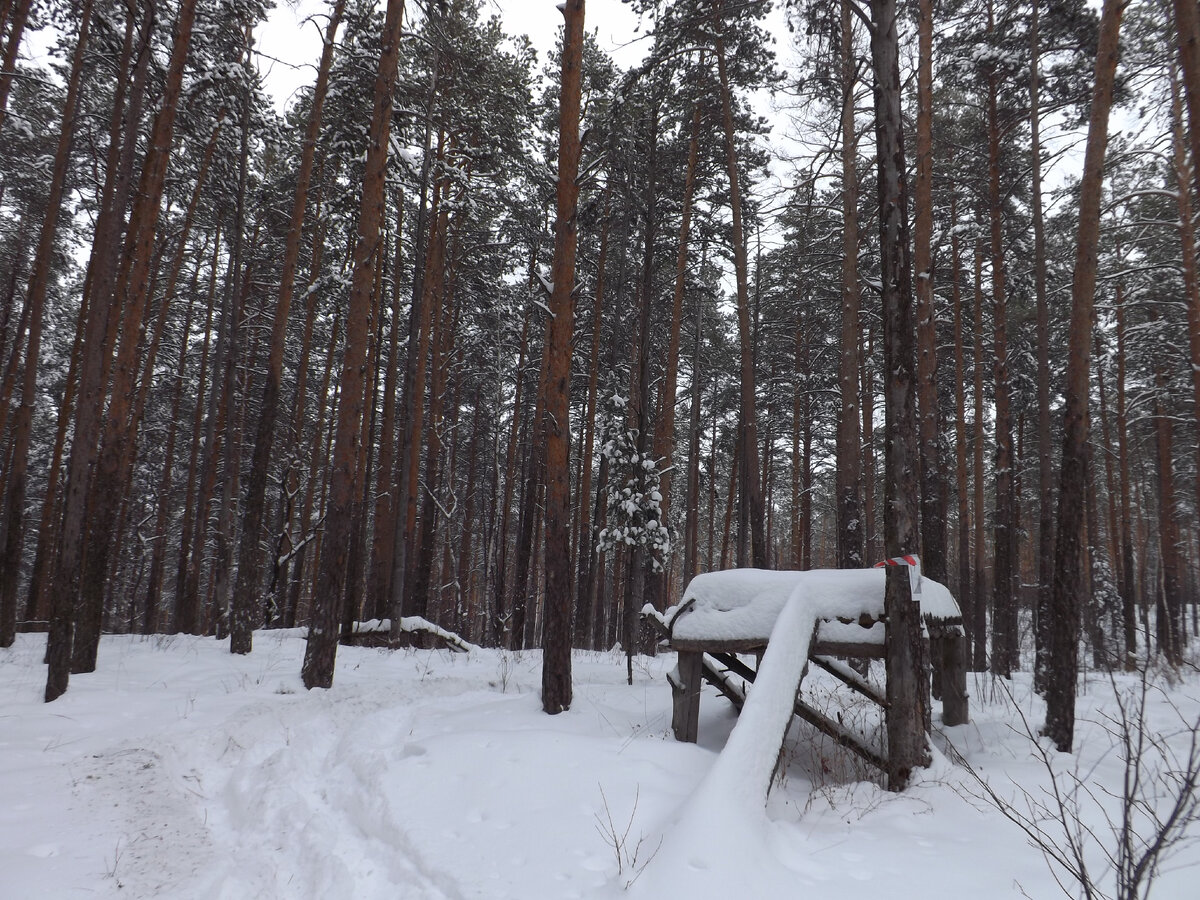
(734, 792)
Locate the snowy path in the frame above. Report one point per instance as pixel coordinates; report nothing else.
(177, 771)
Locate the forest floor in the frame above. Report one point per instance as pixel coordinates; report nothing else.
(177, 770)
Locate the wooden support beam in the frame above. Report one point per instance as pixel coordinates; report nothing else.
(685, 695)
(955, 707)
(840, 735)
(851, 679)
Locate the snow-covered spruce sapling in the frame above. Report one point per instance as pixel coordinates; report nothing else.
(633, 499)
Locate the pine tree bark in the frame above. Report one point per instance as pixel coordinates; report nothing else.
(849, 441)
(977, 626)
(186, 617)
(383, 535)
(1186, 173)
(751, 507)
(907, 667)
(964, 587)
(1129, 595)
(404, 601)
(321, 647)
(658, 584)
(866, 339)
(441, 301)
(1004, 598)
(691, 528)
(18, 467)
(249, 570)
(1170, 612)
(131, 288)
(1067, 596)
(556, 636)
(933, 507)
(412, 387)
(158, 555)
(17, 20)
(500, 610)
(639, 407)
(1045, 476)
(585, 542)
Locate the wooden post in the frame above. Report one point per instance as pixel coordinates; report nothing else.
(936, 652)
(685, 695)
(954, 678)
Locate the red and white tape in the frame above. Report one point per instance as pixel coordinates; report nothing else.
(914, 564)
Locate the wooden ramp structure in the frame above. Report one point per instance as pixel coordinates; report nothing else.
(725, 617)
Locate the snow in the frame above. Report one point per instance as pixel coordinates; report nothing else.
(743, 604)
(412, 624)
(734, 791)
(178, 770)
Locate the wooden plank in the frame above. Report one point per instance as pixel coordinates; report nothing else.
(735, 665)
(720, 679)
(851, 679)
(685, 695)
(840, 735)
(747, 645)
(859, 650)
(955, 707)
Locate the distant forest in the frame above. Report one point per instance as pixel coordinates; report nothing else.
(263, 369)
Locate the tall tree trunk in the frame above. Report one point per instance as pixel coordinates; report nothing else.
(1187, 232)
(1045, 477)
(584, 538)
(866, 339)
(1128, 574)
(907, 672)
(321, 647)
(933, 507)
(964, 587)
(249, 570)
(556, 636)
(383, 535)
(14, 506)
(691, 529)
(17, 19)
(849, 482)
(441, 344)
(500, 601)
(464, 576)
(131, 289)
(751, 508)
(1067, 597)
(799, 384)
(187, 607)
(412, 387)
(1170, 611)
(531, 486)
(1004, 597)
(94, 336)
(977, 628)
(158, 554)
(658, 584)
(641, 560)
(413, 426)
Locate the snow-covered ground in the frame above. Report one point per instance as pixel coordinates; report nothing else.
(177, 770)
